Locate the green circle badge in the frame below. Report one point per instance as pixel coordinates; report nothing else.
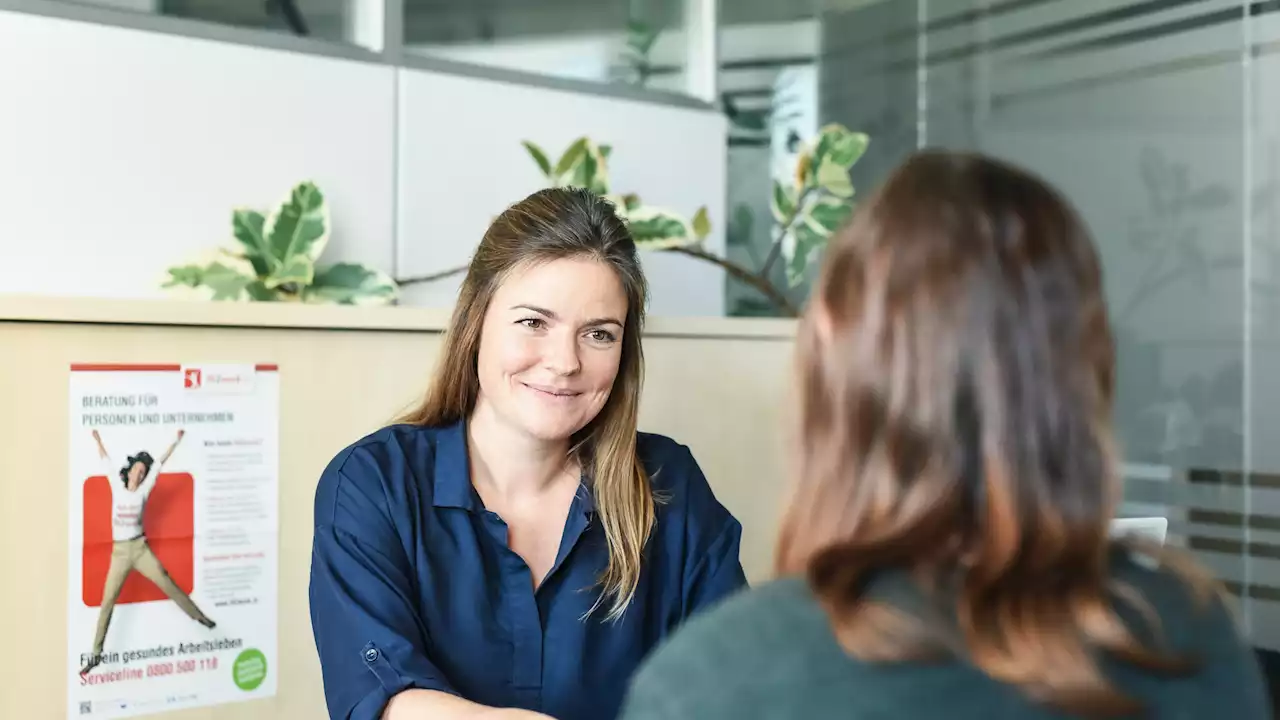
(249, 669)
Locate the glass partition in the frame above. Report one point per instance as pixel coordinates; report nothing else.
(330, 20)
(637, 43)
(767, 79)
(1159, 120)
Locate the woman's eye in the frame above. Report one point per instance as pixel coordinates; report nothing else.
(532, 323)
(601, 336)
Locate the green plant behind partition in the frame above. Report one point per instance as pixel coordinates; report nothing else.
(634, 66)
(585, 164)
(813, 204)
(807, 209)
(276, 259)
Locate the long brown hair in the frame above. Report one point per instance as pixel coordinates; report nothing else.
(955, 373)
(548, 225)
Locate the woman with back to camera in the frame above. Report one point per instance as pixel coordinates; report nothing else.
(500, 553)
(947, 538)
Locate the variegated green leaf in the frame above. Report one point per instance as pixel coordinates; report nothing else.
(299, 226)
(185, 276)
(631, 201)
(248, 228)
(584, 173)
(834, 178)
(827, 215)
(782, 203)
(298, 270)
(224, 283)
(258, 290)
(539, 157)
(593, 172)
(701, 224)
(351, 284)
(804, 246)
(659, 229)
(572, 157)
(605, 151)
(838, 145)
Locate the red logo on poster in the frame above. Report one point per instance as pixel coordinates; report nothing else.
(191, 378)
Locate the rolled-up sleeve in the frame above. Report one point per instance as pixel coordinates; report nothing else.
(368, 631)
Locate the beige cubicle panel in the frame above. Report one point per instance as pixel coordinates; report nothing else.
(717, 385)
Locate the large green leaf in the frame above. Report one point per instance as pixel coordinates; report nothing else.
(539, 157)
(299, 226)
(782, 203)
(584, 164)
(834, 178)
(569, 161)
(258, 290)
(584, 173)
(247, 226)
(226, 283)
(659, 229)
(298, 270)
(838, 145)
(351, 284)
(804, 246)
(827, 215)
(592, 172)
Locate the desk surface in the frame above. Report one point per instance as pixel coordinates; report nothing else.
(190, 313)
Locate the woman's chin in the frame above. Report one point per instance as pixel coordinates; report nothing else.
(551, 426)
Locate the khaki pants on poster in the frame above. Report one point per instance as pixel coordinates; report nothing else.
(128, 555)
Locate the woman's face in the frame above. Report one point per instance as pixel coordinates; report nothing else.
(137, 471)
(551, 345)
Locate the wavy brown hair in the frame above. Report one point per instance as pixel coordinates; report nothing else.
(955, 372)
(549, 225)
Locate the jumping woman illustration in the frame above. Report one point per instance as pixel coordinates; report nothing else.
(129, 551)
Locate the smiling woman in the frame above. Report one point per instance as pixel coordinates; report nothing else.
(500, 552)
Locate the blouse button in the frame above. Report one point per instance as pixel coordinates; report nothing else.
(370, 655)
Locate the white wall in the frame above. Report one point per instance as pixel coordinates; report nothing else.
(124, 152)
(670, 156)
(131, 149)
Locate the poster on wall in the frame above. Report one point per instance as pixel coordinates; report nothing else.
(174, 537)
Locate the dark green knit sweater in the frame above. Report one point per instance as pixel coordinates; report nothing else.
(769, 654)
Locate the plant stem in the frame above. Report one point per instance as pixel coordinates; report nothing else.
(776, 250)
(432, 277)
(758, 282)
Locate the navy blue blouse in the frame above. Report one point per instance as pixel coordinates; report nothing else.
(413, 585)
